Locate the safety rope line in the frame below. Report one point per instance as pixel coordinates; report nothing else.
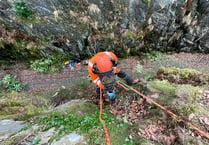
(163, 108)
(100, 118)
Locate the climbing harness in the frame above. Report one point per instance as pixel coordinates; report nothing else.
(107, 79)
(127, 87)
(100, 118)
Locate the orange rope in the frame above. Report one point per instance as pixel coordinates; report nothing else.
(104, 127)
(163, 108)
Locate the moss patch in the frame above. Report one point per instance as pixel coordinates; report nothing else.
(182, 99)
(117, 137)
(20, 106)
(16, 45)
(163, 86)
(167, 91)
(13, 140)
(83, 108)
(182, 76)
(183, 73)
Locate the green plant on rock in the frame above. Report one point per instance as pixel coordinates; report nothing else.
(155, 55)
(167, 91)
(36, 141)
(61, 95)
(88, 124)
(46, 65)
(129, 140)
(22, 11)
(139, 72)
(148, 2)
(186, 110)
(138, 68)
(2, 43)
(164, 86)
(11, 84)
(133, 36)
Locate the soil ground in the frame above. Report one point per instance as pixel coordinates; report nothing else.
(123, 107)
(48, 82)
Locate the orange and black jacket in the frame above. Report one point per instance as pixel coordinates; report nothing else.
(95, 77)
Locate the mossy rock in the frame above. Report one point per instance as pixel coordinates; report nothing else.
(17, 137)
(183, 73)
(79, 107)
(166, 91)
(83, 108)
(13, 140)
(182, 76)
(163, 86)
(180, 98)
(188, 92)
(187, 101)
(19, 106)
(19, 47)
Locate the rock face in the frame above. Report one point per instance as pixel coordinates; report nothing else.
(9, 126)
(34, 134)
(83, 27)
(72, 138)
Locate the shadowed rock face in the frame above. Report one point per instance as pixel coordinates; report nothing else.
(81, 28)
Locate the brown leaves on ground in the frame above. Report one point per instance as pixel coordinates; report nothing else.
(135, 111)
(204, 121)
(155, 133)
(130, 111)
(204, 96)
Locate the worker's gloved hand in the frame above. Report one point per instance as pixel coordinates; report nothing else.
(111, 95)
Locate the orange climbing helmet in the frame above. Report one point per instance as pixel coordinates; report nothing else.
(103, 64)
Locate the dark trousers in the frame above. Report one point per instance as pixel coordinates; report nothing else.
(125, 77)
(122, 75)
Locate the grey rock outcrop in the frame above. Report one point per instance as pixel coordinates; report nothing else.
(81, 28)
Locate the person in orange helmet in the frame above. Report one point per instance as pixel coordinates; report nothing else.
(102, 68)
